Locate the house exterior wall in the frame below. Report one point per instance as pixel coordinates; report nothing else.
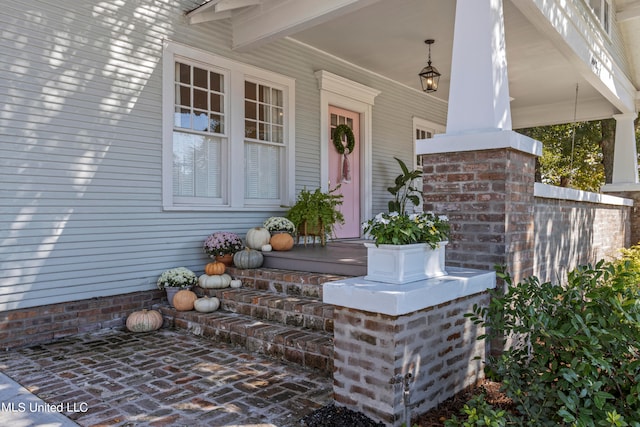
(81, 144)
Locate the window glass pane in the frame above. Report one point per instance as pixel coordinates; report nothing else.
(183, 95)
(263, 132)
(216, 123)
(250, 90)
(200, 121)
(250, 111)
(277, 134)
(200, 99)
(262, 166)
(250, 129)
(182, 118)
(200, 78)
(278, 115)
(334, 120)
(217, 103)
(196, 165)
(265, 93)
(265, 115)
(277, 98)
(183, 73)
(217, 82)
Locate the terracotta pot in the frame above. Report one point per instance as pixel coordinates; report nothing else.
(225, 259)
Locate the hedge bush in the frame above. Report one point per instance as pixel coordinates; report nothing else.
(572, 357)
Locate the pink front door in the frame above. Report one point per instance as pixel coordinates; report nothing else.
(344, 169)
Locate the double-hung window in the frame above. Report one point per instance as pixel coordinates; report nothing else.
(228, 133)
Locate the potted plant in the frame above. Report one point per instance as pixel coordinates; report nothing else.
(221, 246)
(316, 213)
(404, 189)
(279, 224)
(407, 247)
(176, 279)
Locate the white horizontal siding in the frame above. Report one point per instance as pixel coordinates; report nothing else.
(80, 144)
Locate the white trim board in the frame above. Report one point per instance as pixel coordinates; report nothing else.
(547, 191)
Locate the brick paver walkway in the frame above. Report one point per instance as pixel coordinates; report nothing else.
(165, 378)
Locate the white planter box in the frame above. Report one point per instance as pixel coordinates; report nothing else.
(398, 264)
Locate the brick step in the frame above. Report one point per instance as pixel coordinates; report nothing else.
(311, 349)
(285, 282)
(303, 312)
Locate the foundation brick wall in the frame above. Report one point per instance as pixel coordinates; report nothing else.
(42, 324)
(570, 233)
(488, 196)
(373, 352)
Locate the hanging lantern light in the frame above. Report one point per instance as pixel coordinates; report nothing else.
(429, 76)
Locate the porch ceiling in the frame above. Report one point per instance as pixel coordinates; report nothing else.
(387, 37)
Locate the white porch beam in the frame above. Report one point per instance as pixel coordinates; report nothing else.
(208, 16)
(225, 5)
(280, 18)
(630, 11)
(215, 10)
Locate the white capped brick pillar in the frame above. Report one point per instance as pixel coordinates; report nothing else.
(480, 172)
(488, 194)
(382, 332)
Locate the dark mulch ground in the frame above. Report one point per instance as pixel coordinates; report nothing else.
(334, 416)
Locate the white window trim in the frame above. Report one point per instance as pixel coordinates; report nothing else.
(349, 95)
(234, 181)
(420, 123)
(434, 128)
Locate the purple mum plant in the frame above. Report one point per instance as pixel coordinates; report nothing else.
(222, 243)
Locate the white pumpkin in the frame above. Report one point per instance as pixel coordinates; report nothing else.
(266, 248)
(257, 237)
(206, 304)
(236, 283)
(216, 281)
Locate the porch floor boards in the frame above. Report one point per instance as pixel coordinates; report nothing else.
(347, 257)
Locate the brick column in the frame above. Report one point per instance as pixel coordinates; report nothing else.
(633, 194)
(488, 196)
(414, 337)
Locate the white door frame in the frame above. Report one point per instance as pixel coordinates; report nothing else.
(353, 96)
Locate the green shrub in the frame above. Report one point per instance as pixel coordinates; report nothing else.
(573, 353)
(630, 262)
(478, 413)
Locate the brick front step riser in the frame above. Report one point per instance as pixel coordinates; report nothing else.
(297, 346)
(285, 282)
(309, 314)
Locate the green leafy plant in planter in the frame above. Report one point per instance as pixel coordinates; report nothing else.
(404, 191)
(316, 213)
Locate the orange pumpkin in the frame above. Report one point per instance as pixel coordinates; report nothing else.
(214, 268)
(183, 300)
(281, 242)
